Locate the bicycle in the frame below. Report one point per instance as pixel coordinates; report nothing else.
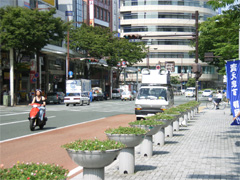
(211, 104)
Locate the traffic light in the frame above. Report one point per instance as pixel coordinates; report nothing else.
(132, 36)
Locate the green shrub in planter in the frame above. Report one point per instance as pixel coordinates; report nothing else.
(93, 145)
(160, 116)
(148, 122)
(33, 171)
(172, 111)
(177, 109)
(126, 130)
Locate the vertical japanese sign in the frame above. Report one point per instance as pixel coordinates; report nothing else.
(233, 87)
(91, 12)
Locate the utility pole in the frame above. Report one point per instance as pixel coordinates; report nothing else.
(12, 76)
(67, 68)
(196, 53)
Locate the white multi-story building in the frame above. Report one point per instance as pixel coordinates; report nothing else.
(152, 19)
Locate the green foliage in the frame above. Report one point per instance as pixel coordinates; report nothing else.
(29, 30)
(93, 145)
(147, 122)
(99, 42)
(160, 116)
(191, 82)
(171, 111)
(220, 3)
(175, 80)
(33, 171)
(126, 130)
(220, 35)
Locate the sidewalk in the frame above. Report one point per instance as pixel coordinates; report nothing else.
(209, 148)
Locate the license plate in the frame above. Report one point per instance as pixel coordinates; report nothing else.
(125, 98)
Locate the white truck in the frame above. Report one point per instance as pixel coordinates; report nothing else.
(77, 92)
(155, 93)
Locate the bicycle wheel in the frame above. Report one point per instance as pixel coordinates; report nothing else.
(210, 105)
(222, 105)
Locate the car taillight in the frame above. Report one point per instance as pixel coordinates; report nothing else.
(57, 96)
(76, 98)
(66, 98)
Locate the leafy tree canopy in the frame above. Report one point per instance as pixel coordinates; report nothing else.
(220, 35)
(220, 3)
(101, 42)
(175, 80)
(191, 82)
(29, 30)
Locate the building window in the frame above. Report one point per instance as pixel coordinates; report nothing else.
(109, 17)
(97, 12)
(101, 14)
(105, 15)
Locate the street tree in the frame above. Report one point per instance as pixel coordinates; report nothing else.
(27, 31)
(220, 35)
(191, 82)
(175, 80)
(100, 42)
(220, 3)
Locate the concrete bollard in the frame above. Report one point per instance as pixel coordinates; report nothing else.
(185, 120)
(159, 137)
(127, 155)
(169, 130)
(176, 125)
(147, 146)
(93, 174)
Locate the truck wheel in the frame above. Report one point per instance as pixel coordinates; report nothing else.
(88, 103)
(74, 104)
(81, 103)
(138, 118)
(67, 104)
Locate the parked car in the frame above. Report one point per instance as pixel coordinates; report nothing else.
(53, 97)
(127, 95)
(116, 94)
(77, 98)
(207, 93)
(190, 92)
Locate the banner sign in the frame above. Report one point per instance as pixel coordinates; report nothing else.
(50, 2)
(233, 87)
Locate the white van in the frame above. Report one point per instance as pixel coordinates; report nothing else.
(190, 92)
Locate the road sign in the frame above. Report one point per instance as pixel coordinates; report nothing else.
(68, 13)
(158, 66)
(36, 75)
(123, 63)
(170, 66)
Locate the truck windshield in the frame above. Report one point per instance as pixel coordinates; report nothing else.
(152, 93)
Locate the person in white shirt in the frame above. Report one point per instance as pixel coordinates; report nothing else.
(218, 99)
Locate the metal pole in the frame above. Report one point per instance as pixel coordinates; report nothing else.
(124, 76)
(196, 54)
(12, 76)
(67, 69)
(148, 58)
(111, 82)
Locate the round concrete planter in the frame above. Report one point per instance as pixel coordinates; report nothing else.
(127, 155)
(147, 144)
(93, 162)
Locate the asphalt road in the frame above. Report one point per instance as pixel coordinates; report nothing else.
(14, 122)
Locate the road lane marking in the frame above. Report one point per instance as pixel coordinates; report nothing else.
(14, 114)
(20, 137)
(15, 122)
(74, 171)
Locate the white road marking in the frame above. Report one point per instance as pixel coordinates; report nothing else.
(74, 171)
(20, 137)
(15, 122)
(14, 114)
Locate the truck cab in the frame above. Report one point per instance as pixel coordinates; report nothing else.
(154, 95)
